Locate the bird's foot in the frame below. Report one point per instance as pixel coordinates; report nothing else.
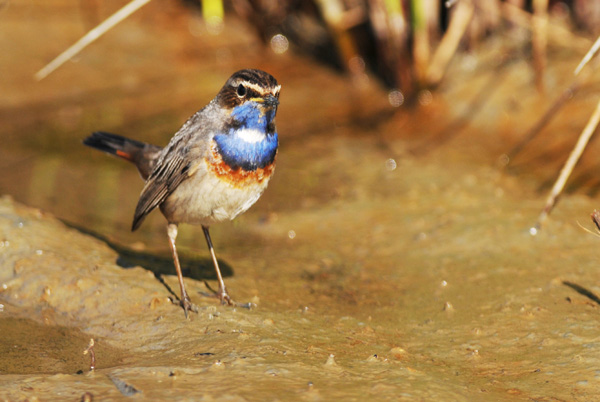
(186, 304)
(224, 297)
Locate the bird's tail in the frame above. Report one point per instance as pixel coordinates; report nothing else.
(141, 154)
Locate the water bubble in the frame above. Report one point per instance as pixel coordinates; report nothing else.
(356, 64)
(390, 164)
(279, 44)
(291, 234)
(396, 98)
(503, 160)
(533, 231)
(425, 97)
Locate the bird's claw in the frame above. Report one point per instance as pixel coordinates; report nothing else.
(224, 297)
(186, 304)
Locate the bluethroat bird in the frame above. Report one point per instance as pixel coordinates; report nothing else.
(214, 168)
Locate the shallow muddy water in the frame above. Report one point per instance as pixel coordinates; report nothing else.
(389, 259)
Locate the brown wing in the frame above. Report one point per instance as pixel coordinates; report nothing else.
(178, 161)
(162, 182)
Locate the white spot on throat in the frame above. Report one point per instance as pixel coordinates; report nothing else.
(251, 135)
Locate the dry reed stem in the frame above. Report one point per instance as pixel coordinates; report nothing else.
(554, 108)
(447, 48)
(588, 56)
(391, 29)
(90, 37)
(556, 33)
(421, 46)
(539, 41)
(583, 140)
(339, 21)
(551, 112)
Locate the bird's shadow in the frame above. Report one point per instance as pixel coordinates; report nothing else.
(583, 291)
(192, 266)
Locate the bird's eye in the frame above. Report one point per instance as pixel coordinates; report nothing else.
(241, 91)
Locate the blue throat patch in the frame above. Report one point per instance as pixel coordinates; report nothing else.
(237, 152)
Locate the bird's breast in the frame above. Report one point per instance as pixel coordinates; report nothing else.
(249, 148)
(241, 168)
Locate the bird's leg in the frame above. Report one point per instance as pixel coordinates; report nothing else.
(222, 292)
(185, 300)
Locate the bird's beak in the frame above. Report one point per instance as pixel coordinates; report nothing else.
(272, 101)
(268, 101)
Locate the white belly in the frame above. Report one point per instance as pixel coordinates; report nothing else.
(206, 199)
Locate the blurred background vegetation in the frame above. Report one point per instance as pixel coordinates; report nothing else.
(408, 44)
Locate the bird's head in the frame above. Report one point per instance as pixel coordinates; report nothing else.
(251, 97)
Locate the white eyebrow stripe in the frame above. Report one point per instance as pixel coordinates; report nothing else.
(260, 89)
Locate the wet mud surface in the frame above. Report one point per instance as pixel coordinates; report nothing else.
(389, 259)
